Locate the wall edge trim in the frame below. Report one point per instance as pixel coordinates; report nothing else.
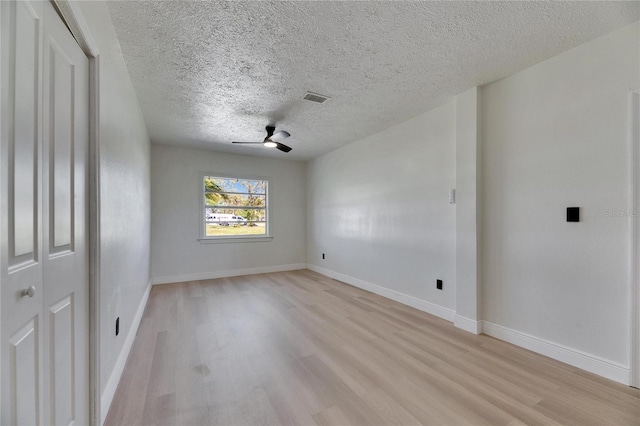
(467, 324)
(114, 379)
(585, 361)
(168, 279)
(405, 299)
(634, 228)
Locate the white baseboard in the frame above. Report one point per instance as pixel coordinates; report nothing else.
(467, 324)
(167, 279)
(591, 363)
(414, 302)
(118, 368)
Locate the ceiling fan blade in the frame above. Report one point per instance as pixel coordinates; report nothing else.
(282, 147)
(280, 135)
(248, 142)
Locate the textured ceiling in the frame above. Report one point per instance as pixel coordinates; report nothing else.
(207, 73)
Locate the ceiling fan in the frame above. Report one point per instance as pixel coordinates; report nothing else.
(273, 139)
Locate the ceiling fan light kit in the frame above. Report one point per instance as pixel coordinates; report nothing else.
(273, 139)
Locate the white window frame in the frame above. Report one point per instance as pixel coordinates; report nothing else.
(203, 238)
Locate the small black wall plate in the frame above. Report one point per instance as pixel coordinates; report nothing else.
(573, 214)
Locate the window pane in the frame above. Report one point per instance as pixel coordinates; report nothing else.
(234, 200)
(221, 184)
(234, 215)
(234, 207)
(230, 222)
(234, 230)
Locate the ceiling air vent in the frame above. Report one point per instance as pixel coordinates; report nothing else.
(314, 97)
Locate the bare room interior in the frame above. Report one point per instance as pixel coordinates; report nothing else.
(319, 213)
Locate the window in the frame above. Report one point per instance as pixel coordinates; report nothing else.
(234, 208)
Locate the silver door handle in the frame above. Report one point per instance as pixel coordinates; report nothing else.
(29, 291)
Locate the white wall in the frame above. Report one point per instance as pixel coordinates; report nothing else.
(379, 209)
(177, 255)
(556, 136)
(124, 200)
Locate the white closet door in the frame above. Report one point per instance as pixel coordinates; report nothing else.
(65, 134)
(20, 197)
(43, 195)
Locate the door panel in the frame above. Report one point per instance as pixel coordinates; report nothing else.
(61, 106)
(24, 61)
(24, 381)
(61, 357)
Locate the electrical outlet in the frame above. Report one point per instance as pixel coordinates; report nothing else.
(322, 256)
(439, 284)
(117, 326)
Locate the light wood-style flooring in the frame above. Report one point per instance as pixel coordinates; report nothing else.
(298, 348)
